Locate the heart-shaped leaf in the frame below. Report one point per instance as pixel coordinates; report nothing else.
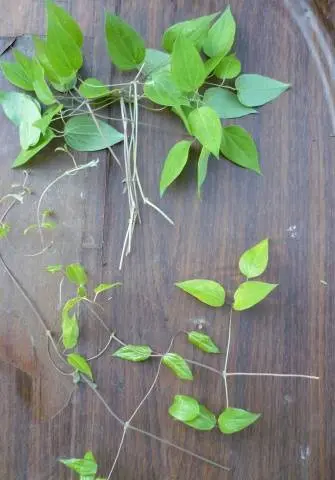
(205, 421)
(255, 90)
(249, 294)
(233, 420)
(184, 408)
(207, 291)
(238, 146)
(79, 363)
(203, 342)
(221, 35)
(225, 103)
(253, 262)
(178, 365)
(206, 127)
(134, 353)
(174, 164)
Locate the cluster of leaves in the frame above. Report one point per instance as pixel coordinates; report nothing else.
(76, 274)
(185, 408)
(52, 71)
(253, 263)
(46, 224)
(86, 467)
(195, 51)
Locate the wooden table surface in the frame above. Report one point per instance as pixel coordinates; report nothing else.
(293, 203)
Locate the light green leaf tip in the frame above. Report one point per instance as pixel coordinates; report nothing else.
(250, 293)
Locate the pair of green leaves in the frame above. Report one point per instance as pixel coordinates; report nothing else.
(253, 263)
(86, 467)
(189, 411)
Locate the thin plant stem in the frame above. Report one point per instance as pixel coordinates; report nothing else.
(177, 447)
(224, 373)
(99, 354)
(125, 428)
(72, 171)
(261, 374)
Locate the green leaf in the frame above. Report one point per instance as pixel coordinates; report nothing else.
(174, 164)
(76, 274)
(64, 19)
(207, 291)
(184, 408)
(182, 114)
(81, 133)
(202, 168)
(178, 365)
(234, 420)
(229, 67)
(134, 353)
(93, 88)
(54, 268)
(70, 328)
(125, 46)
(47, 117)
(16, 74)
(25, 62)
(79, 363)
(42, 90)
(195, 30)
(161, 89)
(255, 90)
(27, 155)
(64, 41)
(239, 147)
(203, 342)
(154, 61)
(253, 262)
(221, 36)
(249, 294)
(187, 68)
(83, 466)
(206, 127)
(205, 421)
(4, 230)
(19, 107)
(81, 291)
(225, 103)
(102, 287)
(29, 135)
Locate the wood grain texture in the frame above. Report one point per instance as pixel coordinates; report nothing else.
(293, 203)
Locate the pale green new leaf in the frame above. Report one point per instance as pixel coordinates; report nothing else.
(255, 90)
(134, 353)
(221, 35)
(234, 420)
(79, 363)
(225, 103)
(4, 229)
(81, 133)
(24, 61)
(47, 117)
(229, 67)
(54, 268)
(203, 342)
(253, 262)
(103, 287)
(202, 168)
(19, 107)
(195, 30)
(178, 365)
(187, 68)
(83, 466)
(154, 61)
(207, 291)
(238, 146)
(26, 155)
(206, 127)
(184, 408)
(205, 421)
(16, 74)
(93, 88)
(70, 328)
(250, 293)
(76, 274)
(125, 46)
(174, 164)
(161, 89)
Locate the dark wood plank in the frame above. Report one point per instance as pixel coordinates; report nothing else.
(293, 204)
